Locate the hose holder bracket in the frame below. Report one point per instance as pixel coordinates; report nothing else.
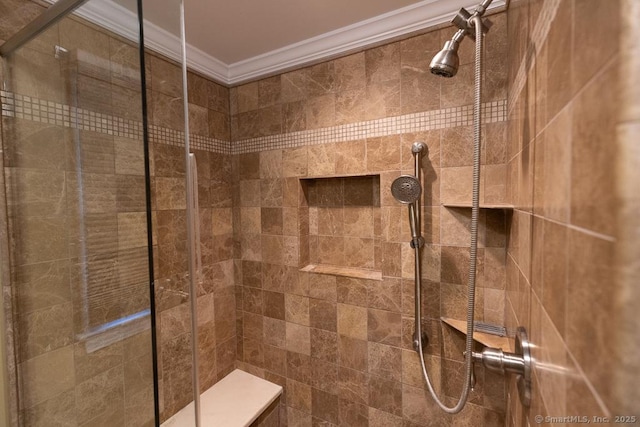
(518, 363)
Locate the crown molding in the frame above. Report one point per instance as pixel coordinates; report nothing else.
(416, 17)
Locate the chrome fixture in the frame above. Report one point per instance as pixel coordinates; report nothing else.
(407, 190)
(518, 363)
(445, 63)
(404, 189)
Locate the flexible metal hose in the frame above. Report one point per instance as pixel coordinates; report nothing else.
(473, 250)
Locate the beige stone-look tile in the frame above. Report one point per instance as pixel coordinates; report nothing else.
(294, 162)
(33, 192)
(132, 230)
(352, 321)
(350, 157)
(59, 410)
(349, 72)
(298, 338)
(88, 365)
(592, 187)
(274, 332)
(320, 79)
(298, 418)
(271, 193)
(459, 90)
(385, 361)
(250, 193)
(275, 360)
(590, 264)
(324, 406)
(353, 353)
(495, 181)
(222, 221)
(46, 376)
(420, 89)
(352, 291)
(299, 367)
(324, 345)
(456, 146)
(247, 97)
(383, 99)
(359, 252)
(167, 111)
(353, 385)
(170, 193)
(273, 305)
(383, 153)
(40, 239)
(418, 407)
(385, 295)
(294, 117)
(320, 111)
(559, 63)
(323, 314)
(384, 327)
(323, 287)
(44, 330)
(290, 222)
(35, 145)
(378, 418)
(129, 156)
(101, 397)
(269, 91)
(456, 185)
(42, 285)
(352, 414)
(385, 395)
(297, 309)
(299, 395)
(324, 375)
(382, 63)
(198, 120)
(350, 106)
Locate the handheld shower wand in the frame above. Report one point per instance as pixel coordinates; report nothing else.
(407, 190)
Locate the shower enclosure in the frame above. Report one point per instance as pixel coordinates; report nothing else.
(101, 258)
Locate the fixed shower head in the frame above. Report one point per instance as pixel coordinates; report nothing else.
(445, 63)
(406, 189)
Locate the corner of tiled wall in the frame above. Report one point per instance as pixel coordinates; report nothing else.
(565, 92)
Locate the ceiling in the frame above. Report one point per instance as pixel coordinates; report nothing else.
(241, 40)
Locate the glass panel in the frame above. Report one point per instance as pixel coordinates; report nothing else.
(166, 95)
(75, 183)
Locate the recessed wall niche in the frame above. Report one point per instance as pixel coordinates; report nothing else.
(344, 226)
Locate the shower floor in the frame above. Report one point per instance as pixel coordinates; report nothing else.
(234, 401)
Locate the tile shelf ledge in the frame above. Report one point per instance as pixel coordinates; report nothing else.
(488, 340)
(334, 270)
(482, 205)
(341, 175)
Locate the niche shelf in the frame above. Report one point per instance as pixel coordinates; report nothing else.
(333, 270)
(504, 206)
(485, 339)
(340, 226)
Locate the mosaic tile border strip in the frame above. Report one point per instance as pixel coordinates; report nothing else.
(29, 108)
(54, 113)
(495, 111)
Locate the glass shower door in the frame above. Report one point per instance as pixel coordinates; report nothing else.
(77, 217)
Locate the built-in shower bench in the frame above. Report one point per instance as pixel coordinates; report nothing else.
(237, 400)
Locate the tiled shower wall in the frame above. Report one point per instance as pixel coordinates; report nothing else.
(570, 258)
(340, 343)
